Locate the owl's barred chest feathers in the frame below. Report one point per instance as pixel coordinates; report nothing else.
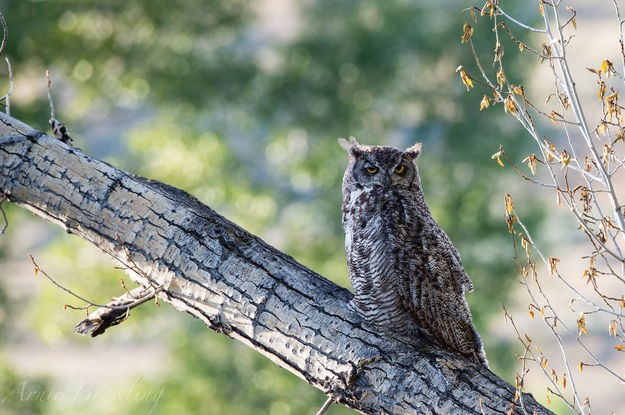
(388, 241)
(406, 274)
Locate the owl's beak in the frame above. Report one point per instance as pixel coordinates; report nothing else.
(387, 181)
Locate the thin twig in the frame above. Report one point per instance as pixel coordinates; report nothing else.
(325, 407)
(50, 95)
(4, 215)
(5, 31)
(7, 97)
(512, 19)
(70, 292)
(620, 30)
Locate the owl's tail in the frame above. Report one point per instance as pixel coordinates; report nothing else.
(479, 355)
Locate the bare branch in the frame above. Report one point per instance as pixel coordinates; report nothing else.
(512, 19)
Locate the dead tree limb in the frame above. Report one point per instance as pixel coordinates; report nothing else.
(238, 285)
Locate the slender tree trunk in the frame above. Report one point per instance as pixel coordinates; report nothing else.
(238, 285)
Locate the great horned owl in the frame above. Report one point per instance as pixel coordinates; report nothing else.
(402, 265)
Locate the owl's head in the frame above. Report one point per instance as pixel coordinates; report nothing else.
(381, 166)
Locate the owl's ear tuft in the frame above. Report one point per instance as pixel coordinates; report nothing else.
(414, 151)
(353, 147)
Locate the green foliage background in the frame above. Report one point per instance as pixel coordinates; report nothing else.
(201, 95)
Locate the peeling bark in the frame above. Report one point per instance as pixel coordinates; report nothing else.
(238, 285)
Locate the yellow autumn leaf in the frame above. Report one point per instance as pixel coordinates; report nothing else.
(510, 106)
(498, 51)
(485, 103)
(542, 12)
(501, 77)
(580, 366)
(566, 158)
(466, 80)
(544, 365)
(552, 265)
(581, 324)
(601, 91)
(532, 314)
(619, 347)
(531, 162)
(497, 156)
(555, 116)
(468, 32)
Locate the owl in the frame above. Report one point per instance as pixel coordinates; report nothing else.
(405, 272)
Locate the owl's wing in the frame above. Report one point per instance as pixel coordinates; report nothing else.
(456, 268)
(433, 292)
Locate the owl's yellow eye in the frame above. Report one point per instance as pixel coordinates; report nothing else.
(400, 169)
(371, 170)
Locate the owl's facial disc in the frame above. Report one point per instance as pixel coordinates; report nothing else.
(381, 166)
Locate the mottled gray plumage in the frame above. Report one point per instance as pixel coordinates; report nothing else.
(406, 273)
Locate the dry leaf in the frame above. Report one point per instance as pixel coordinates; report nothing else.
(485, 103)
(581, 324)
(552, 265)
(468, 32)
(510, 106)
(466, 80)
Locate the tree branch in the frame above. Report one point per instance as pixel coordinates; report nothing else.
(238, 285)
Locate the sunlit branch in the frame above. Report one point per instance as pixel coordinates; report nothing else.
(515, 21)
(571, 91)
(620, 30)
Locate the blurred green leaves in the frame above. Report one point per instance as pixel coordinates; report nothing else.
(240, 103)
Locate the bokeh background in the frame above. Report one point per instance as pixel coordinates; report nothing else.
(240, 103)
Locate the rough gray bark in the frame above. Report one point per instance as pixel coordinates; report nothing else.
(238, 285)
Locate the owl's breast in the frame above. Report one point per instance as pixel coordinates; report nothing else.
(379, 247)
